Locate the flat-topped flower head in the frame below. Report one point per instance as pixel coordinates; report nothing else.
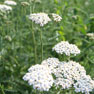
(64, 47)
(85, 84)
(5, 8)
(67, 73)
(52, 63)
(10, 2)
(39, 76)
(56, 17)
(25, 4)
(90, 35)
(39, 18)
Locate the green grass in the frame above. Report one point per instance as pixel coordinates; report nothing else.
(16, 44)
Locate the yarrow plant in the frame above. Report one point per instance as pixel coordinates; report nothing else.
(67, 73)
(90, 35)
(85, 84)
(40, 77)
(25, 4)
(53, 72)
(5, 8)
(56, 17)
(61, 74)
(64, 47)
(39, 18)
(42, 19)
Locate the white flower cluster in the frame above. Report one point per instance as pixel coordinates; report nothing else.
(43, 18)
(8, 2)
(65, 47)
(56, 17)
(67, 73)
(85, 84)
(39, 76)
(52, 63)
(5, 8)
(61, 74)
(25, 4)
(39, 18)
(64, 83)
(91, 35)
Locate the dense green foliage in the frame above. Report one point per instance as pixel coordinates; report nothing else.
(16, 44)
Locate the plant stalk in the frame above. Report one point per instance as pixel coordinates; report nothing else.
(35, 48)
(41, 39)
(33, 33)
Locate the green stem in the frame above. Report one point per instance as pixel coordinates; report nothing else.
(33, 8)
(33, 33)
(35, 48)
(30, 6)
(41, 45)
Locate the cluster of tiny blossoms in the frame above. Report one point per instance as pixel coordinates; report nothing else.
(67, 73)
(64, 47)
(43, 18)
(39, 76)
(90, 35)
(85, 84)
(5, 8)
(8, 2)
(52, 63)
(56, 17)
(25, 4)
(39, 18)
(60, 74)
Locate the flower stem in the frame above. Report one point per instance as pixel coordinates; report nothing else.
(33, 33)
(35, 48)
(41, 45)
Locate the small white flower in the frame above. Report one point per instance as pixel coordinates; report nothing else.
(56, 17)
(8, 2)
(39, 18)
(65, 47)
(5, 8)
